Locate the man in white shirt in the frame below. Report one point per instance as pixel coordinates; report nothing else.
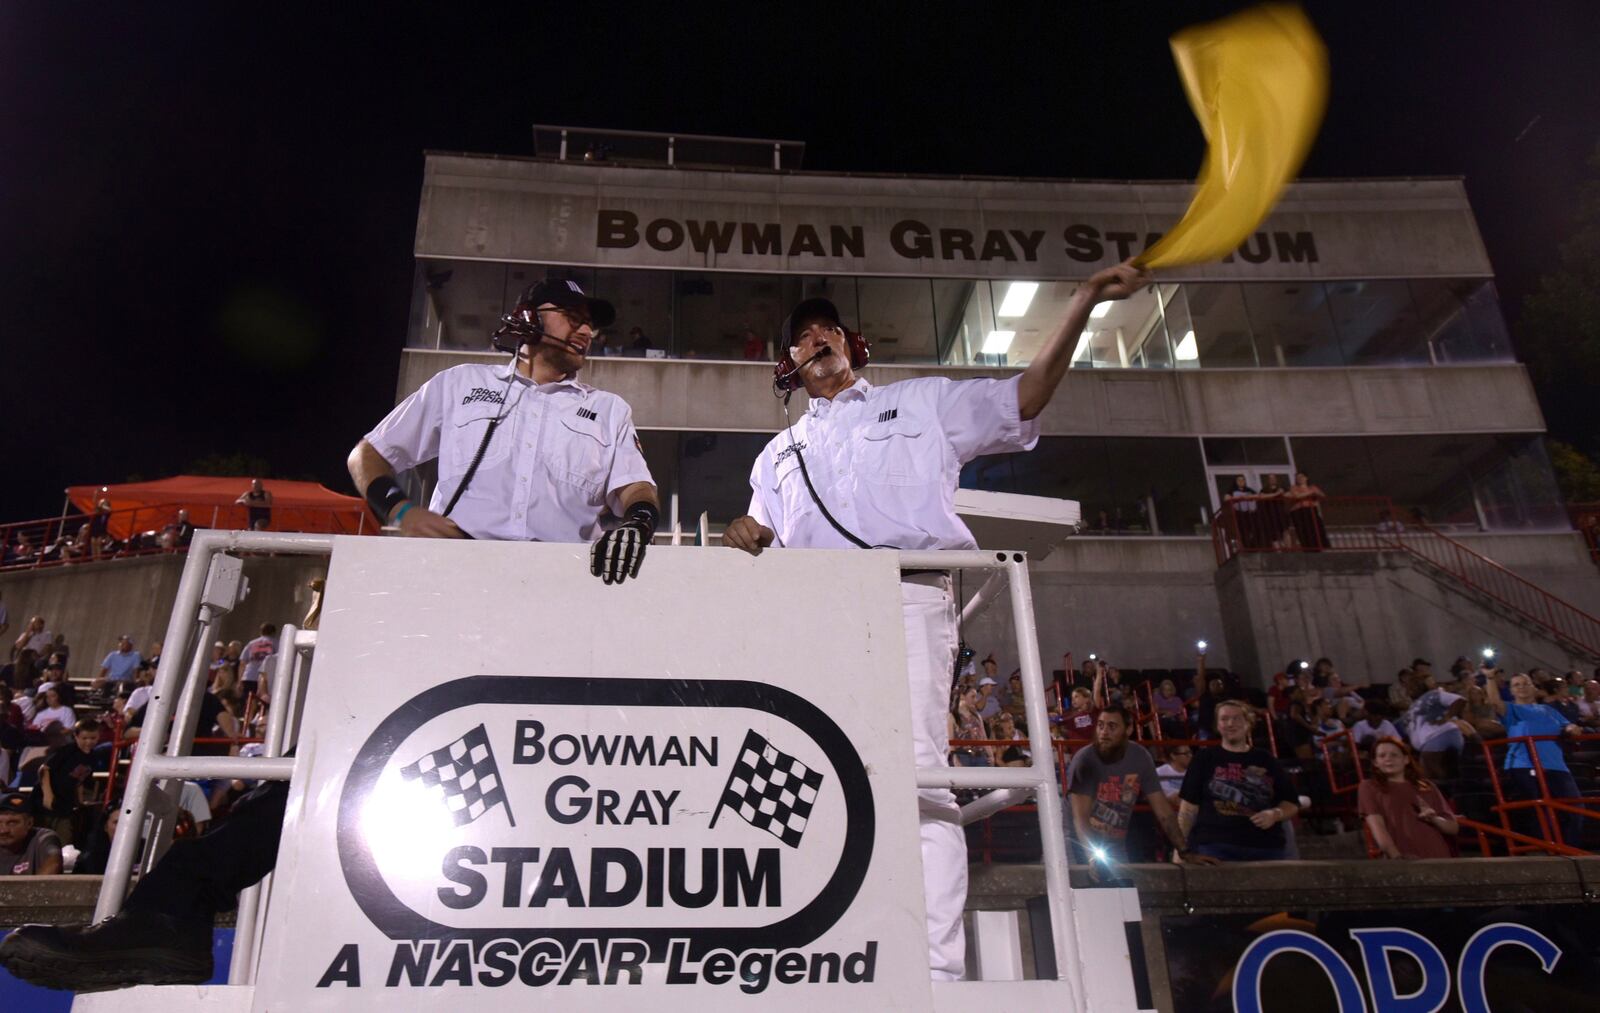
(877, 467)
(525, 452)
(254, 655)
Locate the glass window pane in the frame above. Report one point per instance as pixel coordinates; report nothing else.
(463, 300)
(897, 318)
(1292, 324)
(1245, 450)
(1377, 322)
(1124, 485)
(714, 309)
(1463, 318)
(964, 311)
(644, 309)
(1209, 326)
(1161, 484)
(1516, 487)
(1341, 465)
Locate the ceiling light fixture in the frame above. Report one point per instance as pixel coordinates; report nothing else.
(1018, 297)
(997, 342)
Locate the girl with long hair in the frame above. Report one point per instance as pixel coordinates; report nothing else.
(1406, 814)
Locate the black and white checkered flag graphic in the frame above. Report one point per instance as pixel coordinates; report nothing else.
(464, 776)
(771, 790)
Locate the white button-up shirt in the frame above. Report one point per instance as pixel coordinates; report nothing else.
(886, 461)
(556, 461)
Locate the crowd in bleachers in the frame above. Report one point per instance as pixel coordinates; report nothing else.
(1401, 761)
(68, 727)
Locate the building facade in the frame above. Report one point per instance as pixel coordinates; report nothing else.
(1356, 336)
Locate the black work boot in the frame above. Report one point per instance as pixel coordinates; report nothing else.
(133, 948)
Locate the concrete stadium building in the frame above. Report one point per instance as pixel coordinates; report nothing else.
(1356, 336)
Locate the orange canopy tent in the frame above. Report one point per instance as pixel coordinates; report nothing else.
(296, 506)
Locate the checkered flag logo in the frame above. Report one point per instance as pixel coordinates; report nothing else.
(771, 790)
(464, 776)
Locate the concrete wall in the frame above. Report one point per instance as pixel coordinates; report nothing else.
(1373, 612)
(93, 604)
(1370, 401)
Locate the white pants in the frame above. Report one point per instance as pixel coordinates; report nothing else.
(930, 621)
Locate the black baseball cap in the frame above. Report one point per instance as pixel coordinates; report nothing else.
(14, 803)
(568, 294)
(809, 312)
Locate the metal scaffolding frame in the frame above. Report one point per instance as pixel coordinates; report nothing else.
(213, 584)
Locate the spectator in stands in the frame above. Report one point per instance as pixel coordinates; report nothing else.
(1080, 720)
(1347, 703)
(1206, 705)
(1280, 695)
(1170, 710)
(1273, 512)
(966, 723)
(143, 679)
(97, 849)
(121, 664)
(34, 638)
(1481, 714)
(1554, 693)
(1241, 500)
(1113, 692)
(1524, 715)
(100, 540)
(64, 780)
(1235, 796)
(988, 702)
(1437, 729)
(19, 674)
(755, 350)
(56, 711)
(176, 534)
(1015, 705)
(1407, 816)
(1399, 693)
(257, 502)
(1105, 782)
(1173, 771)
(1305, 513)
(1325, 725)
(254, 655)
(1589, 706)
(1005, 727)
(1374, 725)
(638, 343)
(25, 850)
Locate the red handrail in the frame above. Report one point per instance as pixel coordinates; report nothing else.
(66, 540)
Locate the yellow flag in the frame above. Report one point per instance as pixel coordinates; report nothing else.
(1258, 82)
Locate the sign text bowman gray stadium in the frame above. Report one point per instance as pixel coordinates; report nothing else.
(911, 239)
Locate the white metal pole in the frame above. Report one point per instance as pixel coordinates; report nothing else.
(1058, 884)
(157, 712)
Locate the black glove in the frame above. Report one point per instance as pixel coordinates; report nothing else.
(617, 554)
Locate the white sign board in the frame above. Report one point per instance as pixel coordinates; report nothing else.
(520, 785)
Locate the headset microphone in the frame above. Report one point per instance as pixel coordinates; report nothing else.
(780, 380)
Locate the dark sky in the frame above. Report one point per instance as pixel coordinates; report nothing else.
(206, 215)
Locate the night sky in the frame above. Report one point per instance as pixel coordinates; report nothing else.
(207, 214)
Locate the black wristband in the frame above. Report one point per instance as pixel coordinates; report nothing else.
(383, 495)
(645, 512)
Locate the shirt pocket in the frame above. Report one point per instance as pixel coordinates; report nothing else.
(583, 456)
(466, 436)
(896, 454)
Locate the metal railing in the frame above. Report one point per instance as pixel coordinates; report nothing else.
(151, 530)
(1257, 524)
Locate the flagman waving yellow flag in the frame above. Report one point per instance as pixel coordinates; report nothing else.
(1258, 82)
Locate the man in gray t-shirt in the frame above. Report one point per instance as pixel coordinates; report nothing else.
(1105, 782)
(26, 850)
